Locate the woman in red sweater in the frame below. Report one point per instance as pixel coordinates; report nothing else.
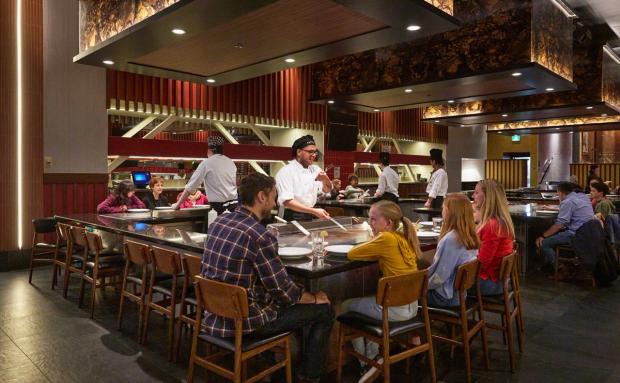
(122, 199)
(496, 233)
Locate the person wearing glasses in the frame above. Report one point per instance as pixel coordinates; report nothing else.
(300, 182)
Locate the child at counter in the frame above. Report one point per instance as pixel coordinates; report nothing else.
(194, 198)
(458, 244)
(155, 198)
(352, 191)
(122, 199)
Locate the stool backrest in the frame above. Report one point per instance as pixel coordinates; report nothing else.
(137, 253)
(192, 265)
(166, 261)
(94, 243)
(44, 225)
(399, 290)
(467, 275)
(222, 299)
(62, 230)
(77, 236)
(506, 268)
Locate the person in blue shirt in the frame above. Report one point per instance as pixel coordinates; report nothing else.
(575, 210)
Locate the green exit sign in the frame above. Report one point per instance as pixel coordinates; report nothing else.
(516, 138)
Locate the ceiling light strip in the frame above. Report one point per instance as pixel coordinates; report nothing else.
(19, 199)
(564, 8)
(610, 52)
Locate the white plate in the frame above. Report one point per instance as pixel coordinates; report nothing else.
(427, 234)
(426, 223)
(163, 207)
(547, 211)
(340, 249)
(293, 252)
(137, 210)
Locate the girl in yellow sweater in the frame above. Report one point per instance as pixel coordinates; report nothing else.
(397, 254)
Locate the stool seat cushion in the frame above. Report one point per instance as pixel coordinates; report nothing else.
(45, 246)
(454, 311)
(113, 261)
(249, 341)
(373, 326)
(165, 286)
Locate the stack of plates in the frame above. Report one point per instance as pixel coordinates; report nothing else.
(339, 249)
(427, 234)
(138, 210)
(294, 252)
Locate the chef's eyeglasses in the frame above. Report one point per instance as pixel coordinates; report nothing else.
(311, 152)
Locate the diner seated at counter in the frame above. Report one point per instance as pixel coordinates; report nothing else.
(352, 191)
(458, 244)
(602, 206)
(122, 199)
(239, 250)
(575, 210)
(397, 253)
(154, 197)
(195, 198)
(495, 230)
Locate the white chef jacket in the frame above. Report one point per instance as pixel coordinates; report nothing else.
(219, 175)
(438, 184)
(388, 182)
(294, 181)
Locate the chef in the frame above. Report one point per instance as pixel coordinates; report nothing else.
(300, 182)
(438, 184)
(388, 180)
(218, 173)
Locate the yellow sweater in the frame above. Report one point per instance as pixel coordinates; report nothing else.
(391, 249)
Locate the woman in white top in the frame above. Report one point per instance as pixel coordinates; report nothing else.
(438, 184)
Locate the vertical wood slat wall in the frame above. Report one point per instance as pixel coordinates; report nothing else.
(32, 123)
(510, 173)
(607, 171)
(401, 124)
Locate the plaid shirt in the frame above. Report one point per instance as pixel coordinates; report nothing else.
(241, 251)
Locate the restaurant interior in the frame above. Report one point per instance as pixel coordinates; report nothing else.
(123, 227)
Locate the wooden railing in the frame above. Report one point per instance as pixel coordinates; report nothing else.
(511, 173)
(608, 172)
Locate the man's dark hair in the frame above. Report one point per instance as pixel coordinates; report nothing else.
(600, 186)
(252, 184)
(217, 149)
(567, 187)
(384, 158)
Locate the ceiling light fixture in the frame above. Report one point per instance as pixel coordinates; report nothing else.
(589, 107)
(408, 90)
(331, 101)
(549, 89)
(289, 60)
(450, 101)
(436, 120)
(604, 115)
(504, 115)
(516, 74)
(210, 80)
(564, 8)
(178, 31)
(413, 28)
(375, 110)
(108, 62)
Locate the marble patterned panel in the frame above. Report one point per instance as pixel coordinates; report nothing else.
(102, 19)
(611, 80)
(445, 5)
(552, 38)
(554, 122)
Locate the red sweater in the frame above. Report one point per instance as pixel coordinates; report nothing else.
(493, 247)
(202, 200)
(113, 204)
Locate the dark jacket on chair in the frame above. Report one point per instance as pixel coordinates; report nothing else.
(595, 251)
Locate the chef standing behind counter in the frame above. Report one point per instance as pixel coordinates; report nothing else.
(437, 187)
(299, 183)
(219, 175)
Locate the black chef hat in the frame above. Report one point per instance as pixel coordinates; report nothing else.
(301, 143)
(215, 141)
(437, 156)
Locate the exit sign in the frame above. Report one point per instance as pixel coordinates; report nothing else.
(516, 138)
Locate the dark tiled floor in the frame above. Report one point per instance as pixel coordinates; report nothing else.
(571, 336)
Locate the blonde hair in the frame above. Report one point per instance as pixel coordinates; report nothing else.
(460, 218)
(391, 211)
(495, 206)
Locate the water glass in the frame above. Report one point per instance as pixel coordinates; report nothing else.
(437, 222)
(318, 244)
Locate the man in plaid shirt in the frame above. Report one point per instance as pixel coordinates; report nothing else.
(239, 250)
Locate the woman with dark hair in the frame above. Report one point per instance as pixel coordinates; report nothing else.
(598, 193)
(121, 200)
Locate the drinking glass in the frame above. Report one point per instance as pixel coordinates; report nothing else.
(437, 222)
(318, 244)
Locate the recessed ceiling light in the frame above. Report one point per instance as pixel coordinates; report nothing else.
(516, 74)
(462, 126)
(589, 107)
(210, 80)
(330, 101)
(186, 122)
(414, 28)
(549, 89)
(289, 60)
(604, 115)
(504, 115)
(201, 130)
(174, 132)
(408, 90)
(436, 120)
(375, 110)
(178, 31)
(108, 62)
(450, 101)
(557, 128)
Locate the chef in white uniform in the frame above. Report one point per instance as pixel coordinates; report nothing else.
(300, 182)
(437, 187)
(388, 180)
(218, 173)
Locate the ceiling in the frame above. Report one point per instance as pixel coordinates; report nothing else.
(229, 41)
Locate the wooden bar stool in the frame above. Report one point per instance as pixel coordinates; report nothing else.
(392, 291)
(137, 261)
(507, 306)
(75, 260)
(42, 252)
(98, 267)
(60, 254)
(231, 301)
(467, 276)
(165, 262)
(192, 266)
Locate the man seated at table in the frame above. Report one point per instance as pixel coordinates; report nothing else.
(241, 251)
(575, 210)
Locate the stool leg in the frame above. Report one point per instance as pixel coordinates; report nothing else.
(289, 368)
(34, 240)
(93, 291)
(508, 332)
(465, 339)
(340, 353)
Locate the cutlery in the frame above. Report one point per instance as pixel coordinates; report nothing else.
(301, 228)
(338, 223)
